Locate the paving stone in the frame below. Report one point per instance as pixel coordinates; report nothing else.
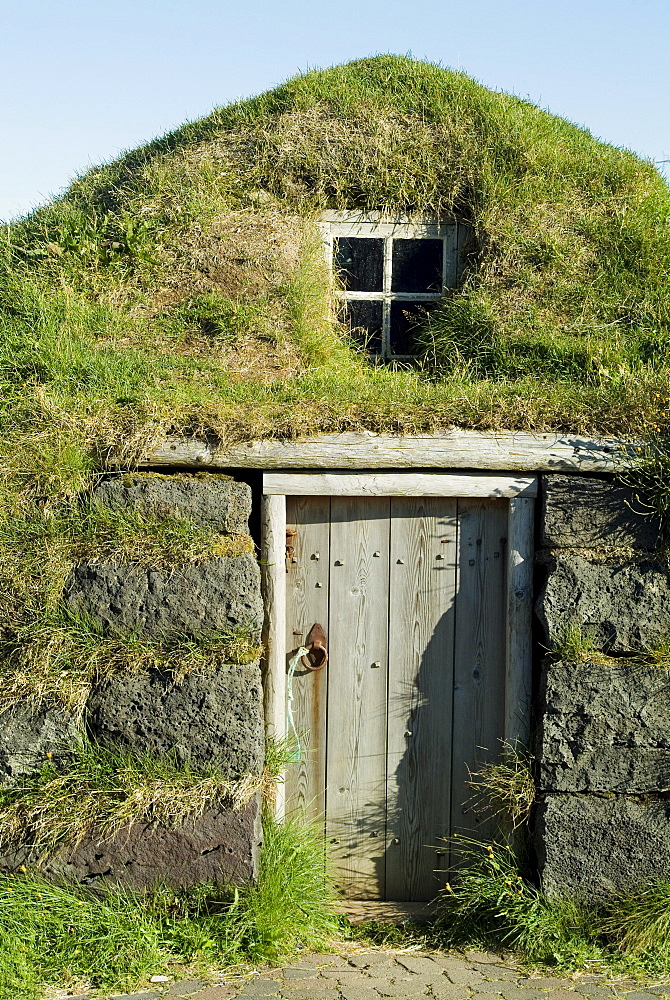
(410, 979)
(417, 964)
(562, 994)
(406, 994)
(499, 972)
(337, 965)
(429, 981)
(348, 977)
(378, 983)
(261, 987)
(498, 985)
(265, 982)
(186, 987)
(464, 977)
(136, 996)
(358, 993)
(447, 991)
(325, 958)
(216, 993)
(520, 993)
(593, 990)
(486, 994)
(256, 996)
(296, 972)
(261, 995)
(640, 995)
(550, 983)
(389, 989)
(450, 962)
(661, 991)
(482, 957)
(368, 959)
(313, 992)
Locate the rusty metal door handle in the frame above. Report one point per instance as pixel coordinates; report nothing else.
(316, 642)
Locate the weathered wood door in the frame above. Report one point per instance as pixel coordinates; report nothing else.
(412, 594)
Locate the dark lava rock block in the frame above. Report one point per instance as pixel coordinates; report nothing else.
(168, 604)
(212, 717)
(591, 848)
(604, 726)
(590, 512)
(624, 604)
(220, 846)
(28, 733)
(214, 501)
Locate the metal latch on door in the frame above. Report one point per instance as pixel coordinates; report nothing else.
(316, 642)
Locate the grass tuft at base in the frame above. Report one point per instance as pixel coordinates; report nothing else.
(54, 935)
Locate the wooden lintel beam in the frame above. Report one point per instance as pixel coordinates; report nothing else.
(403, 483)
(453, 449)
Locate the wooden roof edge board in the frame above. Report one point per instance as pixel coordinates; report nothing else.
(404, 482)
(452, 449)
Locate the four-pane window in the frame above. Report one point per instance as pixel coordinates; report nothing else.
(390, 272)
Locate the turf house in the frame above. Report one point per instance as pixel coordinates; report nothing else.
(334, 475)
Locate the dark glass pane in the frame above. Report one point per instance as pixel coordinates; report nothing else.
(360, 263)
(365, 317)
(405, 318)
(417, 266)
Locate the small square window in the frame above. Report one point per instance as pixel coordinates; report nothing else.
(390, 272)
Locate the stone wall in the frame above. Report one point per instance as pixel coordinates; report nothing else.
(603, 713)
(210, 718)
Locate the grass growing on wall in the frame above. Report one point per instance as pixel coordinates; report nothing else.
(91, 787)
(504, 787)
(58, 934)
(56, 657)
(47, 652)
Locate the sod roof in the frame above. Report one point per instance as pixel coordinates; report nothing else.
(182, 288)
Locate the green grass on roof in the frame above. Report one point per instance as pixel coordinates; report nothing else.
(181, 287)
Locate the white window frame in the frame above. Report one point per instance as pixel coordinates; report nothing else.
(373, 225)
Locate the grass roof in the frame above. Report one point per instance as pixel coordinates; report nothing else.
(182, 288)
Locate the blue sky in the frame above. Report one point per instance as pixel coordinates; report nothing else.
(83, 80)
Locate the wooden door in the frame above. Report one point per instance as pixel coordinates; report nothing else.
(412, 594)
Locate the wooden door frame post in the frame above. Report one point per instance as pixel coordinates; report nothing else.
(519, 652)
(273, 566)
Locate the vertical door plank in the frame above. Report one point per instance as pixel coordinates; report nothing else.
(421, 659)
(480, 644)
(306, 603)
(356, 764)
